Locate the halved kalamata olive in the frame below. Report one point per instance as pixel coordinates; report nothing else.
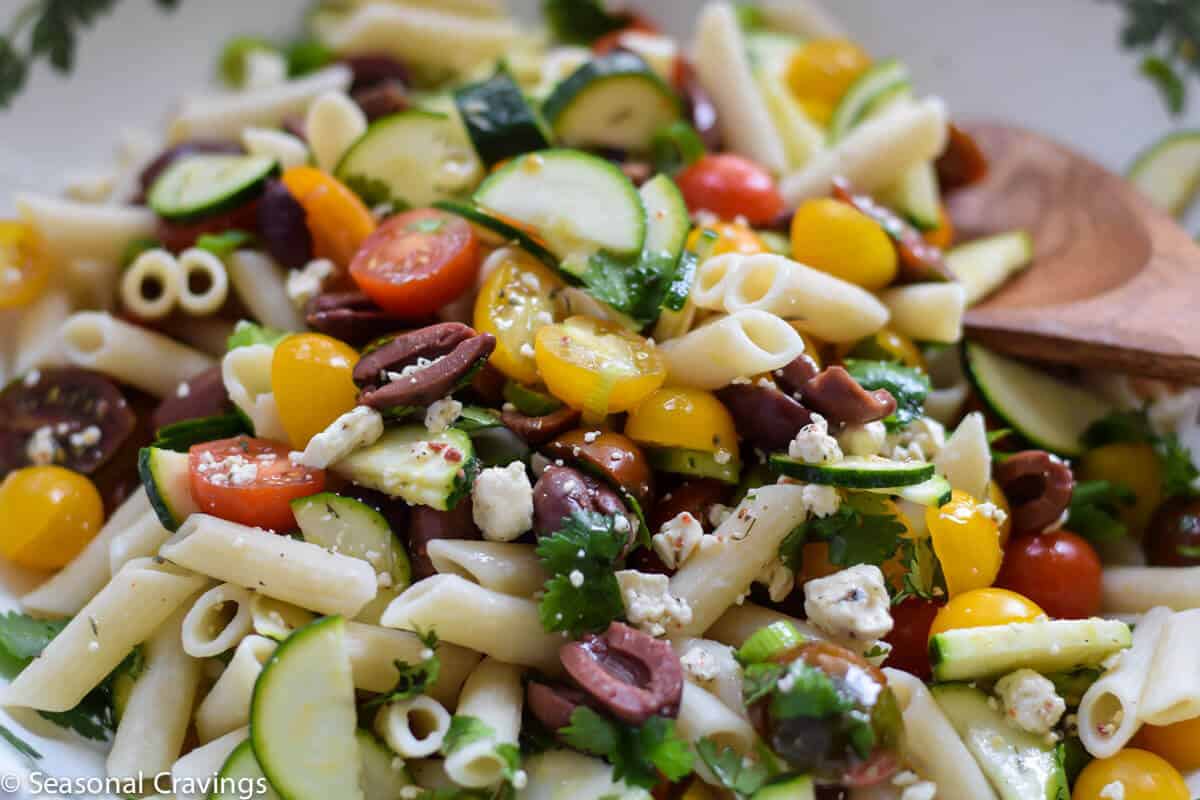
(1038, 486)
(283, 227)
(370, 69)
(562, 491)
(537, 430)
(840, 399)
(553, 704)
(426, 524)
(66, 416)
(630, 673)
(352, 317)
(382, 99)
(169, 156)
(695, 496)
(179, 236)
(202, 395)
(764, 416)
(614, 456)
(421, 367)
(792, 376)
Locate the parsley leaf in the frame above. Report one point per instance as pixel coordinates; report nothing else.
(862, 531)
(909, 386)
(638, 754)
(1164, 77)
(511, 755)
(465, 729)
(1094, 512)
(586, 546)
(923, 575)
(728, 767)
(758, 680)
(580, 21)
(223, 244)
(1167, 32)
(809, 693)
(414, 679)
(246, 333)
(24, 638)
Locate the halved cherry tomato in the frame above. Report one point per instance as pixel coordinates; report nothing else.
(1059, 571)
(730, 186)
(251, 481)
(636, 24)
(909, 638)
(597, 366)
(24, 269)
(417, 262)
(678, 417)
(312, 380)
(337, 219)
(47, 515)
(981, 608)
(731, 238)
(516, 299)
(967, 543)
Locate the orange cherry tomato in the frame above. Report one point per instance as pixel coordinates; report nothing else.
(417, 262)
(943, 235)
(1178, 743)
(1139, 775)
(731, 238)
(730, 186)
(1059, 571)
(337, 219)
(251, 481)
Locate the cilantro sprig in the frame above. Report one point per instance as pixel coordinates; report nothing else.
(1095, 510)
(728, 766)
(638, 754)
(1167, 35)
(907, 385)
(413, 679)
(863, 530)
(582, 594)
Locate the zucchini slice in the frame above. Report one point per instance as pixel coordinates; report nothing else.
(411, 159)
(498, 230)
(1169, 171)
(167, 478)
(529, 401)
(498, 118)
(576, 202)
(240, 770)
(615, 100)
(383, 777)
(1048, 412)
(351, 527)
(303, 719)
(874, 89)
(697, 463)
(422, 468)
(934, 492)
(983, 266)
(856, 472)
(1044, 645)
(207, 183)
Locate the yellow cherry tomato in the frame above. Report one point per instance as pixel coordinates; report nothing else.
(692, 419)
(967, 543)
(980, 608)
(336, 218)
(24, 268)
(731, 238)
(888, 345)
(47, 516)
(1134, 464)
(311, 377)
(597, 366)
(1142, 776)
(820, 73)
(1179, 743)
(835, 237)
(517, 299)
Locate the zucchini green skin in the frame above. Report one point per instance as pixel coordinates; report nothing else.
(350, 526)
(800, 787)
(696, 463)
(1175, 198)
(865, 95)
(530, 402)
(477, 216)
(178, 195)
(934, 492)
(499, 119)
(388, 466)
(1042, 645)
(854, 473)
(239, 769)
(165, 476)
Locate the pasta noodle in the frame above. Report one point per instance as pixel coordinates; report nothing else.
(720, 675)
(374, 651)
(735, 346)
(1172, 692)
(702, 715)
(502, 626)
(209, 628)
(246, 373)
(126, 612)
(154, 723)
(151, 286)
(804, 18)
(209, 335)
(716, 576)
(92, 283)
(736, 625)
(223, 115)
(276, 619)
(260, 284)
(200, 765)
(287, 569)
(1133, 590)
(413, 728)
(827, 307)
(82, 230)
(501, 566)
(204, 282)
(492, 694)
(283, 147)
(226, 707)
(334, 122)
(927, 312)
(37, 334)
(140, 539)
(568, 775)
(131, 354)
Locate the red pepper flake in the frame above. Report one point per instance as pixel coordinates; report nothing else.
(452, 455)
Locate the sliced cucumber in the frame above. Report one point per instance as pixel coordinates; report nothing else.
(351, 527)
(499, 447)
(614, 100)
(498, 118)
(207, 183)
(917, 196)
(695, 462)
(1169, 171)
(667, 220)
(871, 91)
(1049, 412)
(499, 231)
(241, 770)
(383, 775)
(797, 787)
(303, 719)
(575, 201)
(411, 159)
(856, 472)
(1044, 645)
(1018, 764)
(422, 468)
(933, 492)
(530, 402)
(167, 478)
(983, 266)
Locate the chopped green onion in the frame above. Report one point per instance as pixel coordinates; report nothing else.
(766, 643)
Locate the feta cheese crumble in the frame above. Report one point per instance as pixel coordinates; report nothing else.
(360, 427)
(779, 580)
(820, 501)
(441, 414)
(42, 447)
(699, 665)
(502, 502)
(1030, 701)
(851, 604)
(649, 604)
(814, 445)
(920, 440)
(677, 539)
(306, 283)
(1113, 791)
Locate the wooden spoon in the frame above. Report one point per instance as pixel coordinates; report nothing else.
(1114, 283)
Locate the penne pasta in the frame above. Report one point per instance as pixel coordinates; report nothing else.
(226, 707)
(73, 230)
(37, 340)
(505, 567)
(204, 282)
(276, 619)
(151, 286)
(413, 728)
(1172, 692)
(140, 539)
(493, 694)
(260, 284)
(210, 628)
(927, 312)
(332, 124)
(730, 347)
(196, 770)
(286, 149)
(374, 651)
(1133, 590)
(702, 715)
(737, 624)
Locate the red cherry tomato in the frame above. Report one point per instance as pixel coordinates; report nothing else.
(251, 481)
(636, 24)
(417, 262)
(1059, 571)
(912, 619)
(729, 186)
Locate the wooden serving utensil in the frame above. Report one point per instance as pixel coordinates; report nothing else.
(1114, 283)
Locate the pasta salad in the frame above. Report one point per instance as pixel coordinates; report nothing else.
(448, 409)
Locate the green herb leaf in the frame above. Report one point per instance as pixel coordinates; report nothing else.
(586, 546)
(909, 386)
(247, 333)
(20, 745)
(465, 729)
(862, 531)
(638, 754)
(222, 245)
(374, 192)
(809, 693)
(676, 146)
(305, 56)
(1094, 512)
(750, 17)
(923, 575)
(13, 72)
(231, 66)
(580, 21)
(180, 436)
(414, 679)
(24, 638)
(511, 755)
(728, 767)
(1167, 34)
(1178, 471)
(758, 680)
(1164, 77)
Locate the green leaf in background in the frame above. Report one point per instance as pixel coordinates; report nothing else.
(1167, 81)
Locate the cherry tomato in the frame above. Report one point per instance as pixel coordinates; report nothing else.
(1179, 743)
(1135, 465)
(731, 186)
(312, 380)
(941, 237)
(417, 262)
(820, 73)
(837, 238)
(695, 496)
(636, 24)
(24, 269)
(1059, 571)
(912, 620)
(1141, 776)
(678, 417)
(251, 481)
(47, 515)
(515, 300)
(337, 219)
(981, 608)
(731, 238)
(967, 543)
(1173, 538)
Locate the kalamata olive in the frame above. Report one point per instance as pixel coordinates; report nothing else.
(698, 105)
(283, 226)
(422, 366)
(614, 456)
(835, 394)
(370, 69)
(381, 99)
(553, 704)
(426, 524)
(764, 416)
(1038, 486)
(562, 491)
(962, 163)
(169, 156)
(118, 477)
(202, 395)
(179, 236)
(353, 317)
(630, 673)
(1173, 537)
(694, 496)
(538, 430)
(792, 376)
(487, 384)
(66, 416)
